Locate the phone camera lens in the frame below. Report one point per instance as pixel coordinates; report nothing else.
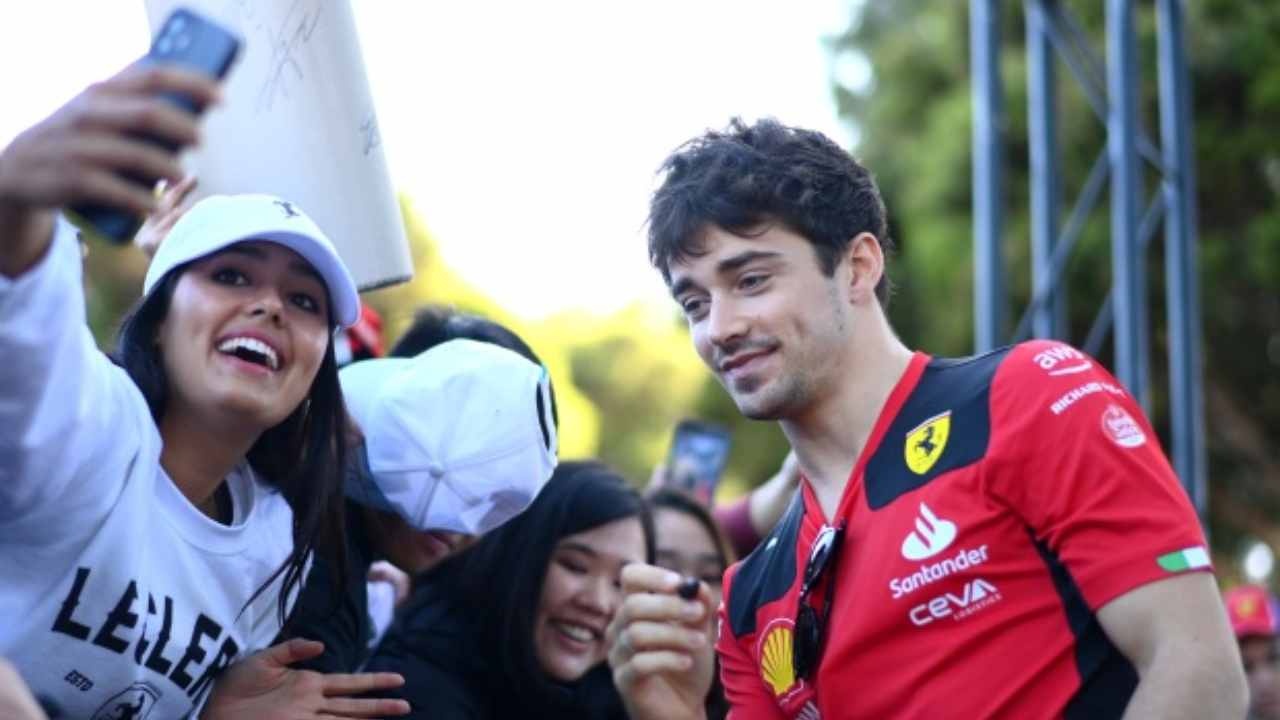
(164, 45)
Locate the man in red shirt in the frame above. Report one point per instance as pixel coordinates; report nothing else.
(996, 536)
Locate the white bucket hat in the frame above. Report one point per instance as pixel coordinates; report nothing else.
(219, 221)
(460, 437)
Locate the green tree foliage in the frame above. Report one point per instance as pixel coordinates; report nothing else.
(435, 283)
(112, 283)
(915, 123)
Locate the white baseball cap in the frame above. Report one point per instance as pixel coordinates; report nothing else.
(219, 221)
(460, 437)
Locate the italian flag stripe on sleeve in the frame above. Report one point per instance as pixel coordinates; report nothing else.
(1190, 558)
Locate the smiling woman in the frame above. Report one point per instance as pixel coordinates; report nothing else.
(233, 339)
(156, 516)
(525, 609)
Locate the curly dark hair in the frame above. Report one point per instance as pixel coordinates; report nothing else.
(746, 175)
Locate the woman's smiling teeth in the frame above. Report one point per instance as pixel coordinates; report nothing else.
(575, 632)
(251, 349)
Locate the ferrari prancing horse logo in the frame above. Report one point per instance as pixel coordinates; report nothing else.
(926, 442)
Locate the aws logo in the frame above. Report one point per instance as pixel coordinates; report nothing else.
(926, 442)
(1049, 359)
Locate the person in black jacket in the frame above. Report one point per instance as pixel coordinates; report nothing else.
(514, 625)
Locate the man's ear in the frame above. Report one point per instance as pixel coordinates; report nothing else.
(865, 259)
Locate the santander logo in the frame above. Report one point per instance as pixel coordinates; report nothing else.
(931, 536)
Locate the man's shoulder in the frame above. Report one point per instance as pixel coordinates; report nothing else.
(951, 382)
(767, 574)
(1029, 359)
(950, 375)
(1041, 379)
(1014, 379)
(943, 425)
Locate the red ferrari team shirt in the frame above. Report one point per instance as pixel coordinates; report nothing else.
(999, 503)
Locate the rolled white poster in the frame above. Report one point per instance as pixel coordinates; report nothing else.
(298, 121)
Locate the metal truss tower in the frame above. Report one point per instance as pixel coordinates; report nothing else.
(1112, 89)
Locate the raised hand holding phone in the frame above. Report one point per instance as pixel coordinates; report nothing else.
(188, 41)
(76, 155)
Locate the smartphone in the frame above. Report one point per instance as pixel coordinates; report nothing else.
(699, 453)
(194, 42)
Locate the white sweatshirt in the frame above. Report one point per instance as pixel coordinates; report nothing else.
(118, 598)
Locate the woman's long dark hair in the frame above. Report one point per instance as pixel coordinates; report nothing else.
(302, 457)
(579, 496)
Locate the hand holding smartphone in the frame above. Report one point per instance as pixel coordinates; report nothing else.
(698, 456)
(192, 42)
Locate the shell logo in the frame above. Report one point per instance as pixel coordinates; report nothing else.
(775, 660)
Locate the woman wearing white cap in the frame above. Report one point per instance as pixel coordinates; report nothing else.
(156, 516)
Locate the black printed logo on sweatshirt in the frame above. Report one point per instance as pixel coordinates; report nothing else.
(134, 703)
(192, 669)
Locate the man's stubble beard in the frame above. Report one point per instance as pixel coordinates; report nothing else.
(797, 385)
(782, 398)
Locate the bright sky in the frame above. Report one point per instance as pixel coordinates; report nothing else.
(526, 134)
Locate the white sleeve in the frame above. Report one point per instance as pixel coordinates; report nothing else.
(67, 414)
